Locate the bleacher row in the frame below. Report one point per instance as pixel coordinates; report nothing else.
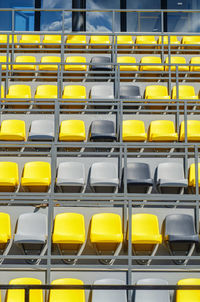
(105, 233)
(71, 295)
(103, 41)
(100, 131)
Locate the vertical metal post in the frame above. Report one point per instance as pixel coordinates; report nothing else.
(26, 295)
(197, 188)
(177, 99)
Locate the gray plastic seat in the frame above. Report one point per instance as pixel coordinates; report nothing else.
(41, 130)
(109, 295)
(71, 177)
(170, 178)
(138, 178)
(100, 63)
(105, 91)
(102, 130)
(104, 177)
(128, 91)
(151, 295)
(31, 234)
(180, 235)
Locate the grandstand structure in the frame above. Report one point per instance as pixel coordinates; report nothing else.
(99, 146)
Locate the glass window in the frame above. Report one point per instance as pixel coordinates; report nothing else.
(52, 21)
(102, 21)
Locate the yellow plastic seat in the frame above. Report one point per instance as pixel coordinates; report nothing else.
(129, 60)
(25, 59)
(74, 92)
(195, 60)
(64, 295)
(69, 228)
(75, 59)
(133, 130)
(188, 295)
(31, 41)
(145, 229)
(156, 92)
(5, 229)
(124, 42)
(13, 130)
(141, 41)
(106, 228)
(4, 40)
(18, 295)
(9, 178)
(189, 41)
(51, 41)
(46, 92)
(185, 92)
(72, 130)
(192, 178)
(151, 60)
(2, 92)
(162, 130)
(49, 59)
(177, 60)
(103, 41)
(17, 93)
(72, 41)
(3, 59)
(173, 41)
(193, 131)
(36, 176)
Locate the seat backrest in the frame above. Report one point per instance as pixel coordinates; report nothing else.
(100, 60)
(32, 224)
(188, 295)
(70, 295)
(129, 91)
(156, 90)
(103, 126)
(9, 170)
(171, 171)
(48, 91)
(104, 171)
(179, 224)
(37, 169)
(152, 295)
(102, 91)
(138, 171)
(5, 227)
(162, 126)
(109, 295)
(74, 92)
(50, 59)
(151, 60)
(71, 171)
(42, 126)
(20, 91)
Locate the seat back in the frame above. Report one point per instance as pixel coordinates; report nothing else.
(179, 224)
(138, 171)
(173, 171)
(32, 224)
(109, 295)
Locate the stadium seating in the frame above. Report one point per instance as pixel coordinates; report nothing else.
(51, 41)
(70, 177)
(179, 229)
(195, 60)
(100, 63)
(3, 59)
(145, 42)
(133, 131)
(174, 42)
(99, 42)
(129, 60)
(13, 130)
(41, 130)
(185, 295)
(74, 92)
(152, 295)
(190, 42)
(49, 67)
(192, 177)
(18, 92)
(36, 176)
(138, 178)
(145, 235)
(66, 295)
(108, 295)
(162, 131)
(178, 61)
(124, 42)
(4, 39)
(104, 177)
(72, 130)
(9, 179)
(5, 230)
(131, 92)
(151, 60)
(32, 232)
(106, 234)
(47, 92)
(156, 92)
(76, 41)
(170, 178)
(69, 233)
(102, 130)
(25, 59)
(75, 59)
(193, 131)
(185, 92)
(19, 294)
(30, 41)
